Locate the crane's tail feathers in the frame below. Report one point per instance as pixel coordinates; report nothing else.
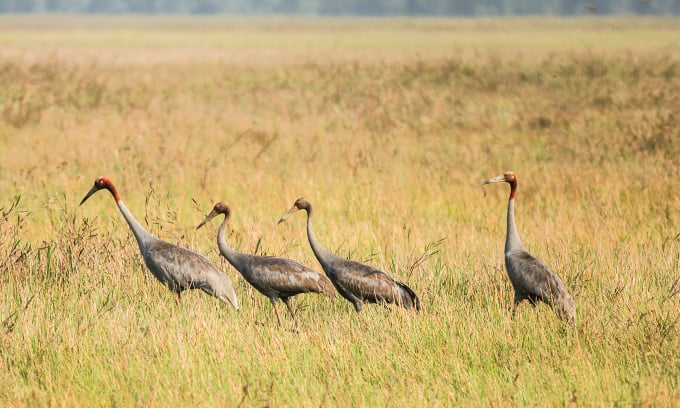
(226, 295)
(327, 288)
(565, 308)
(409, 298)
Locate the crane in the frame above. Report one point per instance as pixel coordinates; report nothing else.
(531, 279)
(276, 278)
(176, 267)
(356, 282)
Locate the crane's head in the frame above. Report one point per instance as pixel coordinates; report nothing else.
(219, 208)
(299, 204)
(508, 177)
(101, 183)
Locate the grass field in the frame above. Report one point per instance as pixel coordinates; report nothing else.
(388, 127)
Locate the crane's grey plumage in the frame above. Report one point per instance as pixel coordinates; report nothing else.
(532, 279)
(356, 282)
(276, 278)
(176, 267)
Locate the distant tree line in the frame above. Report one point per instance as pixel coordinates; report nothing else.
(348, 7)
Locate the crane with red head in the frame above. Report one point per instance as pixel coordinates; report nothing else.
(531, 279)
(177, 268)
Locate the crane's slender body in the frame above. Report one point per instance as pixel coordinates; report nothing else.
(531, 279)
(176, 267)
(356, 282)
(276, 278)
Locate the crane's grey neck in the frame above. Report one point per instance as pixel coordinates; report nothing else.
(512, 241)
(322, 255)
(235, 259)
(141, 235)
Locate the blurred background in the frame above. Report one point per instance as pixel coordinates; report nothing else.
(348, 7)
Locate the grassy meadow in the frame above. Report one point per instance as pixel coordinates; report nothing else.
(388, 126)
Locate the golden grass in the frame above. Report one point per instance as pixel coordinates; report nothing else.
(388, 127)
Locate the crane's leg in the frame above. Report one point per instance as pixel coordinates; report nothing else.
(518, 299)
(276, 309)
(290, 306)
(177, 299)
(357, 308)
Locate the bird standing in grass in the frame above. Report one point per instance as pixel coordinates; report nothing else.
(276, 278)
(356, 282)
(176, 267)
(532, 279)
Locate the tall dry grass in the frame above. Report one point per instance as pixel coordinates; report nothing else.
(390, 146)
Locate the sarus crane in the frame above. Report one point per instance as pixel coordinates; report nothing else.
(176, 267)
(356, 282)
(276, 278)
(532, 279)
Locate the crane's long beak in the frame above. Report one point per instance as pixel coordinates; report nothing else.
(210, 216)
(93, 190)
(494, 180)
(286, 215)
